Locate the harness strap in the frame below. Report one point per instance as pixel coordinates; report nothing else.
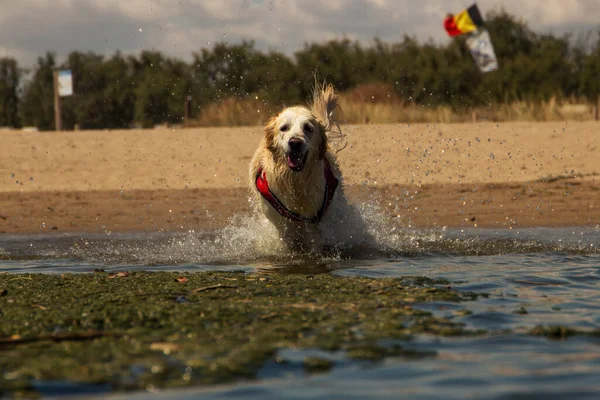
(331, 184)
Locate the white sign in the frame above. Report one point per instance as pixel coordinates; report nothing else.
(480, 45)
(65, 83)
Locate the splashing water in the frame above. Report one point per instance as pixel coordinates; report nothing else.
(367, 234)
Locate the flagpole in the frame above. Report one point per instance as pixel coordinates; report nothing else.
(57, 113)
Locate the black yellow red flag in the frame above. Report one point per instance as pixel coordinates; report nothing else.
(466, 21)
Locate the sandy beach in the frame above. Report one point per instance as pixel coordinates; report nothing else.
(478, 174)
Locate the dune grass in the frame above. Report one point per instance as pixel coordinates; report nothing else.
(377, 104)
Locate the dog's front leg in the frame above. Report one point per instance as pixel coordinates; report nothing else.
(302, 237)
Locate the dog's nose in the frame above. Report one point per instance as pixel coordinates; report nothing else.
(295, 144)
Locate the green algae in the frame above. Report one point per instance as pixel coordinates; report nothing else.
(317, 364)
(561, 332)
(161, 329)
(521, 311)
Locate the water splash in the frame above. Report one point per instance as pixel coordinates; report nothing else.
(367, 233)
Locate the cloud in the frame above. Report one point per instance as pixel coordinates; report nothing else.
(29, 28)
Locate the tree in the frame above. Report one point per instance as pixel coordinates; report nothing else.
(161, 88)
(85, 106)
(277, 80)
(341, 62)
(10, 77)
(37, 107)
(104, 96)
(241, 71)
(590, 73)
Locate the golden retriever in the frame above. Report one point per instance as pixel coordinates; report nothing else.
(295, 180)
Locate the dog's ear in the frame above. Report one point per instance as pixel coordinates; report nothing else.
(325, 102)
(270, 134)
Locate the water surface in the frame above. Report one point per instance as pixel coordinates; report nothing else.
(540, 276)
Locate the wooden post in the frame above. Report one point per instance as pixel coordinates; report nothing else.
(187, 110)
(57, 113)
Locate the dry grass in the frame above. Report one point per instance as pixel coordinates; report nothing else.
(367, 112)
(551, 110)
(376, 103)
(234, 112)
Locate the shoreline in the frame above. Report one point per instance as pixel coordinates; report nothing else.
(559, 203)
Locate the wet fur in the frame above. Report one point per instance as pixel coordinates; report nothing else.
(303, 191)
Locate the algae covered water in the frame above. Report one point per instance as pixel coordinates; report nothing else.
(537, 319)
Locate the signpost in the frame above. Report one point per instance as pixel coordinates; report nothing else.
(63, 86)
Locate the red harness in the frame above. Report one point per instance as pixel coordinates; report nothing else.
(331, 184)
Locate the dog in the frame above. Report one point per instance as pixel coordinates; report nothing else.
(294, 178)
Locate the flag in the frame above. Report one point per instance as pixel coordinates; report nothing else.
(480, 46)
(478, 41)
(466, 21)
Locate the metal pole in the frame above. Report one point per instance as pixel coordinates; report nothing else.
(57, 113)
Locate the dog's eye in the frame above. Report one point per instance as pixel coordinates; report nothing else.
(308, 128)
(284, 128)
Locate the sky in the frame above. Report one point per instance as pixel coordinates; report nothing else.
(29, 28)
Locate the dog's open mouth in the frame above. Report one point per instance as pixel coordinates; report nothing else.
(296, 160)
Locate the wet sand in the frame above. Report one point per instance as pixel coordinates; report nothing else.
(486, 175)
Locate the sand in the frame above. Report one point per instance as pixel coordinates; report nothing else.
(484, 174)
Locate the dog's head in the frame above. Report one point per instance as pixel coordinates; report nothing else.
(298, 135)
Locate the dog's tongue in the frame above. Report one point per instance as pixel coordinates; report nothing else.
(294, 160)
